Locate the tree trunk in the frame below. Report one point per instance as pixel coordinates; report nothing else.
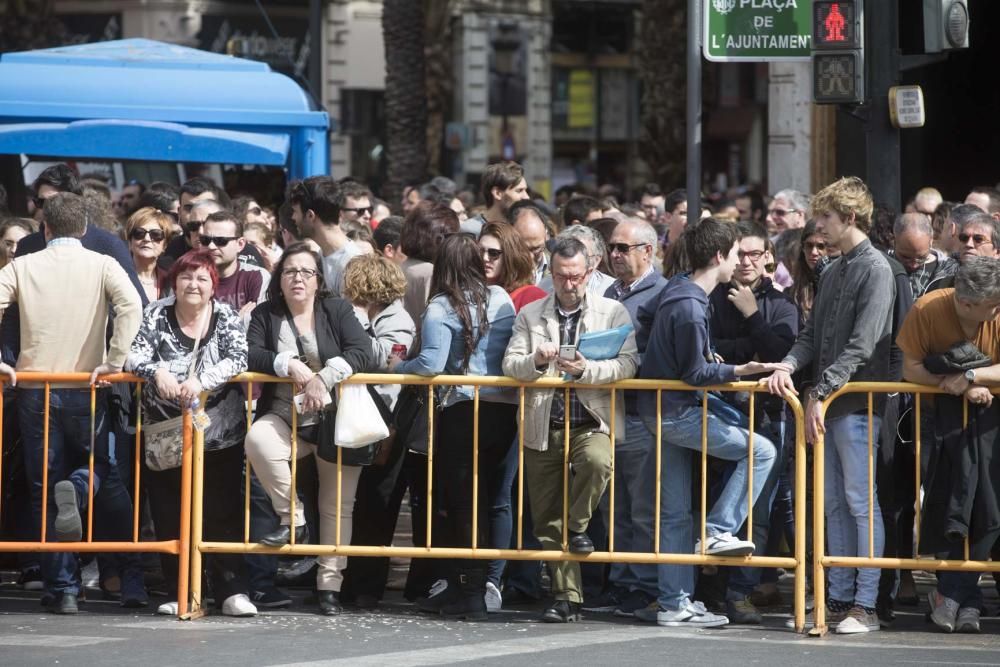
(28, 24)
(662, 70)
(405, 96)
(440, 78)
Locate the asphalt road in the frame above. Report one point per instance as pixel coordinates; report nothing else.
(103, 634)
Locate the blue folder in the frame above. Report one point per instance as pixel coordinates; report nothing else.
(600, 345)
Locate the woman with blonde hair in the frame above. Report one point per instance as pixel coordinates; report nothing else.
(147, 233)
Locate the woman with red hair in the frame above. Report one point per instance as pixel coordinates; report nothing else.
(190, 343)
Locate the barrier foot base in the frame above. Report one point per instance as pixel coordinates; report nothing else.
(193, 615)
(818, 632)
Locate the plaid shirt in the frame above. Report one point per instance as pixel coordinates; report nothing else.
(569, 325)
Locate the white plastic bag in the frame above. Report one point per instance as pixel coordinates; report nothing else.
(359, 423)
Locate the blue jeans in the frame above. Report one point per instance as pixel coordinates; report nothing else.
(635, 493)
(68, 458)
(501, 514)
(846, 465)
(743, 580)
(681, 441)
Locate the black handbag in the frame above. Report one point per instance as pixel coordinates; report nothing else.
(959, 358)
(410, 418)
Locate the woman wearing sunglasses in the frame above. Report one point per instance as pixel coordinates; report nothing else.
(147, 233)
(509, 264)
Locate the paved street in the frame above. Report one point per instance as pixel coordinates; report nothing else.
(103, 634)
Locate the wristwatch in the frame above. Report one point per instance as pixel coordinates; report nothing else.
(970, 375)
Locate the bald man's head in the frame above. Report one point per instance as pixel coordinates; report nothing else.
(533, 231)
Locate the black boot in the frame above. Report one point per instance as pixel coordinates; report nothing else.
(443, 592)
(470, 604)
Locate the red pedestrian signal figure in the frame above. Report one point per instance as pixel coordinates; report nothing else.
(834, 24)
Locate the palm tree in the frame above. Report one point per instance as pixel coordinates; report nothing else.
(29, 24)
(661, 64)
(405, 95)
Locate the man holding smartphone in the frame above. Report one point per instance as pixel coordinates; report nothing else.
(545, 337)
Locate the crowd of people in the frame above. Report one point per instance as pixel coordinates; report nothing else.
(187, 288)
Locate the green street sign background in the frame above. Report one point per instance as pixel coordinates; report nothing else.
(757, 30)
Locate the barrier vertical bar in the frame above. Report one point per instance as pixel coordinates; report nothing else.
(293, 495)
(819, 580)
(184, 557)
(520, 470)
(800, 518)
(136, 463)
(430, 460)
(753, 396)
(198, 516)
(965, 425)
(871, 477)
(249, 468)
(704, 468)
(475, 466)
(1, 448)
(45, 466)
(90, 463)
(659, 470)
(917, 401)
(611, 490)
(566, 442)
(340, 470)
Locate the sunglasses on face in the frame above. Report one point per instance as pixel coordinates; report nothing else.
(155, 235)
(821, 246)
(977, 239)
(219, 241)
(192, 227)
(780, 212)
(39, 202)
(360, 210)
(491, 254)
(624, 248)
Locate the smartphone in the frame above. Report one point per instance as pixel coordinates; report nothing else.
(567, 352)
(298, 398)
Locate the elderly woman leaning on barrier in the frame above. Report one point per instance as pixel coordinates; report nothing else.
(375, 285)
(465, 331)
(188, 344)
(317, 342)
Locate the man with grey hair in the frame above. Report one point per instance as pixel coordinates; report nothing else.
(599, 282)
(969, 312)
(632, 586)
(979, 236)
(545, 339)
(926, 267)
(788, 210)
(948, 239)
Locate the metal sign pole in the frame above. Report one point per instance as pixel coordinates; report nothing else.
(694, 110)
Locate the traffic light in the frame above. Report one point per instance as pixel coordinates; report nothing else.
(838, 52)
(946, 25)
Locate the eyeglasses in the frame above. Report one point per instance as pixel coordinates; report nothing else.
(821, 246)
(624, 248)
(219, 241)
(361, 210)
(753, 255)
(491, 254)
(155, 235)
(780, 212)
(306, 274)
(977, 239)
(569, 279)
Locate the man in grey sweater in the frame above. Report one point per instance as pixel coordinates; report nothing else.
(846, 339)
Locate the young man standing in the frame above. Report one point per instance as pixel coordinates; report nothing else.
(678, 348)
(847, 338)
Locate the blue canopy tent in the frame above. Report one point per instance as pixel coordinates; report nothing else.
(137, 99)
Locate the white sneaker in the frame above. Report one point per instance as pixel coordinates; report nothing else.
(494, 601)
(690, 615)
(967, 620)
(724, 544)
(238, 605)
(858, 621)
(167, 609)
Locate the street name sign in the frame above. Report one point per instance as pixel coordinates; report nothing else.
(757, 30)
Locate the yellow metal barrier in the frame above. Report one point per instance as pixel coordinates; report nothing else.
(179, 547)
(821, 560)
(798, 562)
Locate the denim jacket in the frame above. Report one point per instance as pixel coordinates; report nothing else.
(442, 347)
(848, 334)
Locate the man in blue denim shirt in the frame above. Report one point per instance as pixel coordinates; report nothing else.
(847, 338)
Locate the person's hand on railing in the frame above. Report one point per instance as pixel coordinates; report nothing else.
(189, 390)
(166, 385)
(315, 393)
(978, 395)
(103, 369)
(814, 420)
(9, 372)
(299, 373)
(780, 381)
(956, 384)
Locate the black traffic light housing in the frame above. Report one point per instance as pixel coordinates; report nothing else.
(838, 58)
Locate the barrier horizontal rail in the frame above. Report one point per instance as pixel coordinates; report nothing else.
(797, 562)
(179, 547)
(928, 563)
